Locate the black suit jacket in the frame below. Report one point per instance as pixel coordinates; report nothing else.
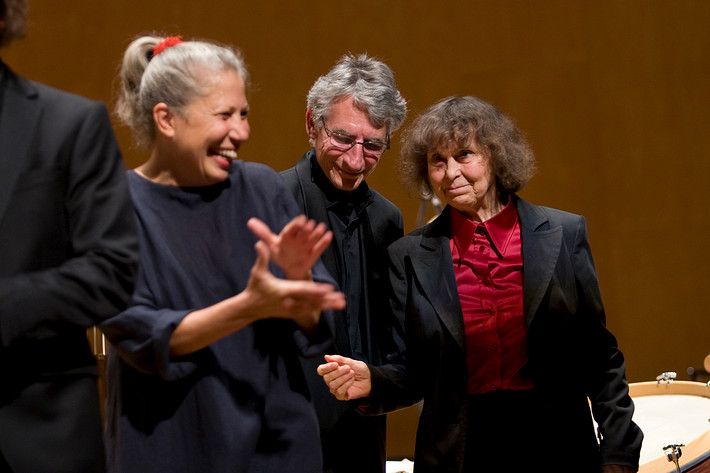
(571, 353)
(382, 226)
(68, 254)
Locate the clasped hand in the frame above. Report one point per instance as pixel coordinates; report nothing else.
(346, 378)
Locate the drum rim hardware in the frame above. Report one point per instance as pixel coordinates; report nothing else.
(667, 377)
(673, 453)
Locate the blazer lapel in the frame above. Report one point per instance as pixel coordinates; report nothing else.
(314, 207)
(18, 118)
(432, 266)
(541, 249)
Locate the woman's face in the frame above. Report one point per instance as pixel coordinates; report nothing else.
(210, 131)
(462, 177)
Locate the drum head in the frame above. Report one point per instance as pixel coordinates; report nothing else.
(672, 413)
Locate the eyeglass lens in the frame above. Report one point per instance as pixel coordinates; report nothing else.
(347, 142)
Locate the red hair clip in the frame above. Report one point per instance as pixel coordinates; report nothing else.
(168, 42)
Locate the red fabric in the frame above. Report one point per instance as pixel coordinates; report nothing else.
(165, 44)
(488, 265)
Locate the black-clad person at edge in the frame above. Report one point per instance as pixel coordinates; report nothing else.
(68, 258)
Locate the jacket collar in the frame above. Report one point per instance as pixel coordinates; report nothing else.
(541, 250)
(431, 261)
(433, 267)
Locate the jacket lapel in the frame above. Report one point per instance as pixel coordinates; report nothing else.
(314, 207)
(432, 266)
(18, 118)
(541, 249)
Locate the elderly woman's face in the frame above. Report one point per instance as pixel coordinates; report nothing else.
(462, 177)
(207, 139)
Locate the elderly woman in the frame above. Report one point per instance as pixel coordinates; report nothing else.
(503, 316)
(207, 377)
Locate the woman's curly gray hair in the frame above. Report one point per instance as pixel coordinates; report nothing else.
(459, 120)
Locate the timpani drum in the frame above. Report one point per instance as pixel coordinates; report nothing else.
(673, 413)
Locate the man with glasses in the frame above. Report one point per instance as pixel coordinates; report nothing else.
(352, 112)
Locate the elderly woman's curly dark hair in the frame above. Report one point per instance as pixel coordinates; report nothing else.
(14, 15)
(458, 120)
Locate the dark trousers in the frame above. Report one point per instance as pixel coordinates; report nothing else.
(356, 444)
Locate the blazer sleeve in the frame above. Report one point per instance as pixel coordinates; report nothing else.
(606, 385)
(392, 388)
(95, 279)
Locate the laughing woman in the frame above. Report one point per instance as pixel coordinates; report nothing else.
(204, 376)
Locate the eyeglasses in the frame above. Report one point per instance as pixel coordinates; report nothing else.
(372, 148)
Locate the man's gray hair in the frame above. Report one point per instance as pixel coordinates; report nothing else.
(371, 85)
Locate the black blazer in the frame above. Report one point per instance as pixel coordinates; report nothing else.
(571, 354)
(68, 254)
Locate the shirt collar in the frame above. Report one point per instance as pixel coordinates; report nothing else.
(499, 229)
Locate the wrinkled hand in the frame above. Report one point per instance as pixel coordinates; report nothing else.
(301, 301)
(297, 248)
(346, 378)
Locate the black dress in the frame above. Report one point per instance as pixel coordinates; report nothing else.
(239, 405)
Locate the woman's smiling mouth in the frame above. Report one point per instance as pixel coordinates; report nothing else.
(229, 154)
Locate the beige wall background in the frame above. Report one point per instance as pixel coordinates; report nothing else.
(613, 95)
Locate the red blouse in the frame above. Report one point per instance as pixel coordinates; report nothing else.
(488, 264)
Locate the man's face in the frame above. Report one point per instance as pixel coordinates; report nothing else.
(346, 167)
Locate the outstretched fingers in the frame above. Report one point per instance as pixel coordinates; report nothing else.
(297, 247)
(262, 231)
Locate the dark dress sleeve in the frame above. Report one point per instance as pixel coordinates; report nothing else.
(141, 334)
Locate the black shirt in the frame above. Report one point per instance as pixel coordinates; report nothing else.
(346, 214)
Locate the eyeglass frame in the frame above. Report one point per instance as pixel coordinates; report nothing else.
(355, 142)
